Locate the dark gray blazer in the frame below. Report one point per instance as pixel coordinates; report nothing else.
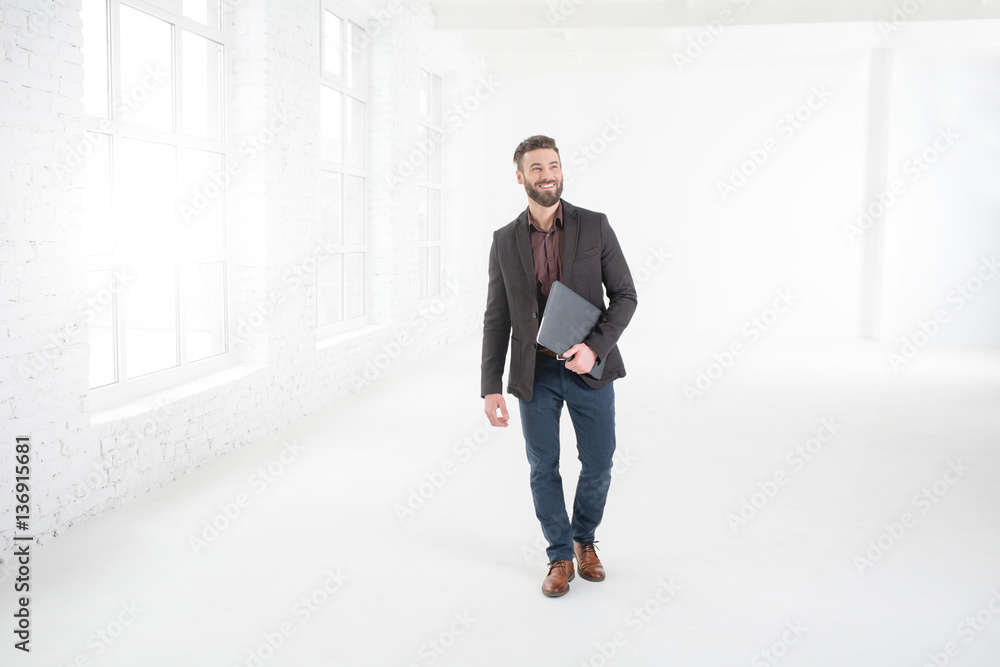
(591, 257)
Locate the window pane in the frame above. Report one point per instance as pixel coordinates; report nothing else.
(330, 223)
(203, 305)
(423, 271)
(202, 76)
(97, 215)
(329, 287)
(436, 94)
(330, 126)
(146, 199)
(95, 58)
(433, 270)
(420, 152)
(332, 47)
(201, 199)
(354, 210)
(434, 159)
(355, 139)
(434, 216)
(422, 213)
(354, 285)
(100, 314)
(206, 12)
(150, 311)
(146, 55)
(424, 105)
(355, 55)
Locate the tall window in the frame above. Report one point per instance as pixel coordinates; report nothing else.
(429, 132)
(341, 268)
(155, 163)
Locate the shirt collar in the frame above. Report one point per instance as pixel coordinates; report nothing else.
(559, 216)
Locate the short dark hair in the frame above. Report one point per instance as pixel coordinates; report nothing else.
(532, 144)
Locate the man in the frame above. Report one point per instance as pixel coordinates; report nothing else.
(554, 240)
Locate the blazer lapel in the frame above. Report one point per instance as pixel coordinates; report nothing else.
(571, 235)
(522, 236)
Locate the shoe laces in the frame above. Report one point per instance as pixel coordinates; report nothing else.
(588, 547)
(555, 563)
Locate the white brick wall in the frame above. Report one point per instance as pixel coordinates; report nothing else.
(43, 355)
(86, 462)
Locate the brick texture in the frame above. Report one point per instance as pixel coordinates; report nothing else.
(88, 462)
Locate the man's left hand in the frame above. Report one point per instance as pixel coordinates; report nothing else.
(583, 358)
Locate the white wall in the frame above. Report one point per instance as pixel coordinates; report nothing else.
(945, 148)
(685, 130)
(87, 462)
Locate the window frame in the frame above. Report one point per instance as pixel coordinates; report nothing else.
(324, 249)
(114, 129)
(434, 123)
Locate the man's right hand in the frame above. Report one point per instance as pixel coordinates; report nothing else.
(495, 402)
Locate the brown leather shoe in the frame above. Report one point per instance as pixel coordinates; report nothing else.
(588, 562)
(557, 581)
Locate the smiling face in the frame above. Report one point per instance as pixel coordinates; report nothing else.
(541, 176)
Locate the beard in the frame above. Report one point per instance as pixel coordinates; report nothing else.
(544, 197)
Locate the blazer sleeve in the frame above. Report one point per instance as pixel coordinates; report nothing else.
(621, 294)
(496, 327)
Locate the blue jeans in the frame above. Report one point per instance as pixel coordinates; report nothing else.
(593, 414)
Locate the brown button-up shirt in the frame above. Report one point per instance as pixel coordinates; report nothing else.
(547, 252)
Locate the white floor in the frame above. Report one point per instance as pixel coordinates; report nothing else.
(456, 582)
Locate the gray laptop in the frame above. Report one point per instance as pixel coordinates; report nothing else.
(567, 320)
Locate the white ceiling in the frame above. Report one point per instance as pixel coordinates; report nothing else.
(466, 15)
(517, 29)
